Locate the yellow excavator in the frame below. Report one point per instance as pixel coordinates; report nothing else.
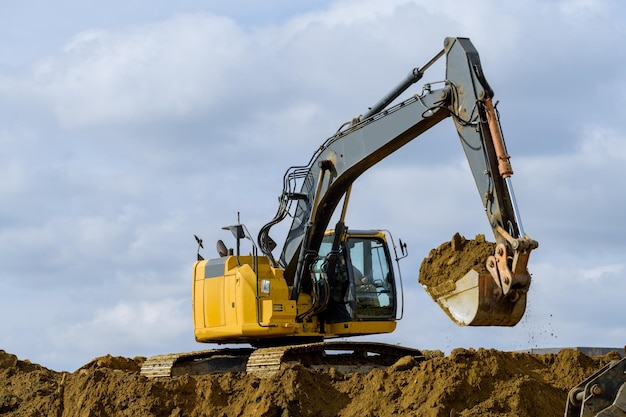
(332, 284)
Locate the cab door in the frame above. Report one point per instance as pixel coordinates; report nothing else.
(373, 278)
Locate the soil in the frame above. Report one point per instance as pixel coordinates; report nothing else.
(465, 383)
(455, 258)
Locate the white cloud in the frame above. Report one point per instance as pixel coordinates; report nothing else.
(572, 194)
(582, 8)
(166, 69)
(426, 203)
(124, 326)
(602, 148)
(603, 271)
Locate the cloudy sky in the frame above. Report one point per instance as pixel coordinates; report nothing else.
(128, 127)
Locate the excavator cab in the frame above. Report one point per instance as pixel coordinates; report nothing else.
(361, 281)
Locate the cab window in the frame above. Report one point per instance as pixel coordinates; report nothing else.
(372, 277)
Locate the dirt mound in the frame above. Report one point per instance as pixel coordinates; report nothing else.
(453, 259)
(115, 362)
(465, 383)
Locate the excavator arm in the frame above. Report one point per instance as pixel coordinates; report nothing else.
(466, 97)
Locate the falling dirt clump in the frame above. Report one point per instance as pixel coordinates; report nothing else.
(455, 258)
(465, 383)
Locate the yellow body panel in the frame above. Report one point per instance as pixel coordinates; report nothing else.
(197, 292)
(214, 312)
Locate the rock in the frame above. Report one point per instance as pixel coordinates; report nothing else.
(403, 364)
(7, 360)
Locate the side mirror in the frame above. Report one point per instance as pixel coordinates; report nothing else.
(403, 249)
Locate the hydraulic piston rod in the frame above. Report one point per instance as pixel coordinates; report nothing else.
(504, 165)
(414, 76)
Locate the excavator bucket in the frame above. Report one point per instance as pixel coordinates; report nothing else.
(462, 277)
(476, 300)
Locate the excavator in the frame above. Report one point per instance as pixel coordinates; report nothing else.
(337, 282)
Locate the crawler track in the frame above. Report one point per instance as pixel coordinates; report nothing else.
(345, 357)
(196, 363)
